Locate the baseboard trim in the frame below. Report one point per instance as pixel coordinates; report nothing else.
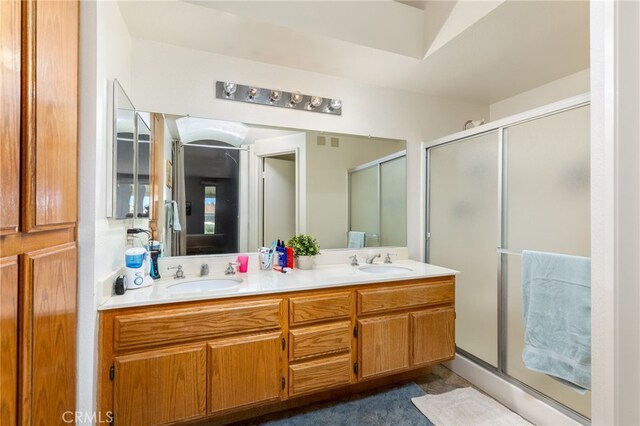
(529, 407)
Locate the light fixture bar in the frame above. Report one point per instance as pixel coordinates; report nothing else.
(272, 97)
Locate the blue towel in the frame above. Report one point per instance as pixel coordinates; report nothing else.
(556, 301)
(355, 239)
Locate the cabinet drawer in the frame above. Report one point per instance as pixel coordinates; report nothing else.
(319, 339)
(319, 374)
(307, 309)
(404, 296)
(185, 324)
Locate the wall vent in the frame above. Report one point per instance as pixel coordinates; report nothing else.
(335, 142)
(321, 140)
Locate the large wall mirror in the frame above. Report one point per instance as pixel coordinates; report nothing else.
(232, 187)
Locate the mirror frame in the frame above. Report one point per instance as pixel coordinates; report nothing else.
(116, 89)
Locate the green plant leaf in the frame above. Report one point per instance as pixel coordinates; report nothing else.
(304, 245)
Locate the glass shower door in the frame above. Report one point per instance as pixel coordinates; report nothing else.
(463, 235)
(364, 204)
(393, 205)
(546, 208)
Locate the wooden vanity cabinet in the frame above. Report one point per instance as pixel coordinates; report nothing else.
(160, 386)
(233, 358)
(321, 341)
(245, 371)
(383, 345)
(405, 326)
(433, 335)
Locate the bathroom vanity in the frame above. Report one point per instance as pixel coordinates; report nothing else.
(273, 339)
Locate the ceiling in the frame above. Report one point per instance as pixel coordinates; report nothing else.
(481, 51)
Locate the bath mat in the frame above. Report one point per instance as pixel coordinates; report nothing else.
(392, 407)
(466, 407)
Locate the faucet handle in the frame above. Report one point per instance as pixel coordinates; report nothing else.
(204, 269)
(387, 258)
(230, 270)
(179, 272)
(354, 260)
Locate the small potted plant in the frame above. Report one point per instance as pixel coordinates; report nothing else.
(305, 248)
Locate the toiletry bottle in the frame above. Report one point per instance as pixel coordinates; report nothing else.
(275, 259)
(289, 257)
(283, 255)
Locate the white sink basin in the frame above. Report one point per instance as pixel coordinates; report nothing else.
(384, 269)
(204, 285)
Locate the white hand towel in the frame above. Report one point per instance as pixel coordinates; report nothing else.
(176, 217)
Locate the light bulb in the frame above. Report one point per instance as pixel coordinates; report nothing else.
(334, 104)
(253, 92)
(229, 88)
(315, 101)
(275, 96)
(296, 98)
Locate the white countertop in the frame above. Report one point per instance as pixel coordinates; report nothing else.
(257, 282)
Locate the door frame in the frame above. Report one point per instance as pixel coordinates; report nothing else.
(261, 164)
(500, 127)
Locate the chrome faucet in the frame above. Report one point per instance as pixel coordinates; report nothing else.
(204, 270)
(230, 270)
(179, 273)
(387, 258)
(370, 259)
(354, 260)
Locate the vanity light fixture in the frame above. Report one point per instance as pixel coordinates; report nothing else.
(334, 105)
(314, 102)
(295, 99)
(253, 93)
(275, 97)
(229, 89)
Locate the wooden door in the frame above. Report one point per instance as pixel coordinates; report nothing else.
(49, 114)
(48, 312)
(8, 340)
(160, 387)
(383, 345)
(433, 335)
(9, 116)
(245, 371)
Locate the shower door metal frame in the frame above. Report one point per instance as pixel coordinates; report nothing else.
(501, 127)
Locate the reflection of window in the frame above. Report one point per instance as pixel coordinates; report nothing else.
(209, 209)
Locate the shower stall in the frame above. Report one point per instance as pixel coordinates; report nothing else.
(522, 183)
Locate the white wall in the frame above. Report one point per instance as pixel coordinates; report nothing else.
(105, 53)
(181, 81)
(566, 87)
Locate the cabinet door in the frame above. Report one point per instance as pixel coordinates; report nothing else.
(9, 115)
(433, 335)
(48, 313)
(50, 114)
(8, 340)
(245, 371)
(160, 387)
(383, 345)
